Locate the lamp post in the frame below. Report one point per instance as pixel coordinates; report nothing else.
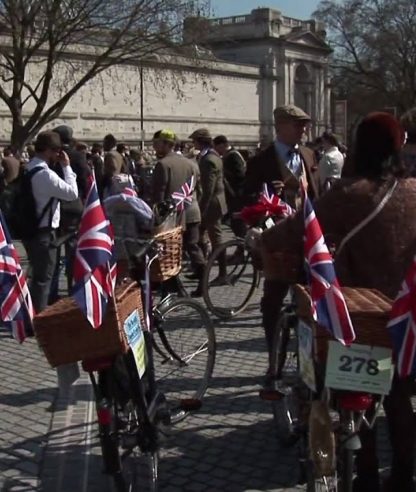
(142, 133)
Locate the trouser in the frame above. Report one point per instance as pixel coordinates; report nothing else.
(41, 253)
(238, 227)
(214, 231)
(274, 293)
(401, 426)
(192, 247)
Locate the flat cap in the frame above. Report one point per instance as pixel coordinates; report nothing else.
(290, 112)
(200, 133)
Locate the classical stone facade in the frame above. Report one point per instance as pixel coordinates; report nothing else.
(260, 60)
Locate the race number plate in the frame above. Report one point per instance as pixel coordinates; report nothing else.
(135, 338)
(359, 368)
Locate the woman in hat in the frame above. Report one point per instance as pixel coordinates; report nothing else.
(377, 256)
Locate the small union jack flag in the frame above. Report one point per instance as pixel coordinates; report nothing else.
(183, 197)
(279, 206)
(94, 267)
(328, 303)
(402, 324)
(129, 192)
(16, 309)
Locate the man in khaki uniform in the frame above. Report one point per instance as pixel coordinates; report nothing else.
(212, 203)
(283, 165)
(171, 172)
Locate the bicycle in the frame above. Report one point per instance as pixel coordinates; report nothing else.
(230, 296)
(132, 404)
(324, 423)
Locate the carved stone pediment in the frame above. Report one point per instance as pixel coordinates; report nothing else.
(307, 38)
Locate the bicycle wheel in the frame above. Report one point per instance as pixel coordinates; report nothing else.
(188, 340)
(137, 450)
(228, 296)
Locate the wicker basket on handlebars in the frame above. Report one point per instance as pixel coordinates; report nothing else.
(169, 262)
(66, 336)
(369, 311)
(282, 265)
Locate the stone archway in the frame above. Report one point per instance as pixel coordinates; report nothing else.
(303, 88)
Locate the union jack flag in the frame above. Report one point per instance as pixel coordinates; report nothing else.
(94, 266)
(183, 197)
(129, 192)
(328, 304)
(402, 324)
(16, 309)
(279, 206)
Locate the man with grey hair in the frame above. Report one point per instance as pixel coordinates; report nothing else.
(284, 165)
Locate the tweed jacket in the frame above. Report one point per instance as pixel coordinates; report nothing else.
(267, 167)
(379, 255)
(169, 175)
(213, 205)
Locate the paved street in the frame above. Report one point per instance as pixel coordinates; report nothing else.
(229, 445)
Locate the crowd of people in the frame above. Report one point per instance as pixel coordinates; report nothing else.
(376, 181)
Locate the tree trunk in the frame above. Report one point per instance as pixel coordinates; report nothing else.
(20, 136)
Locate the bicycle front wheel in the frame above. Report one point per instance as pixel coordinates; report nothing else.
(188, 343)
(227, 293)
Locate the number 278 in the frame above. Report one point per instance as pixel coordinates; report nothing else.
(358, 365)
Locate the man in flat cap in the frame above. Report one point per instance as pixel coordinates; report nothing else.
(171, 172)
(212, 203)
(284, 165)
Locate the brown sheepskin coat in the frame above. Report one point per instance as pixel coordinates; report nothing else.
(378, 255)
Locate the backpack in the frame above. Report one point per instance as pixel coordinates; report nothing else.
(18, 205)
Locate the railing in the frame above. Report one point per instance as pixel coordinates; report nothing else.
(226, 21)
(292, 22)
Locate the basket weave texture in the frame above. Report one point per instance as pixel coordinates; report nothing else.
(169, 262)
(66, 336)
(369, 311)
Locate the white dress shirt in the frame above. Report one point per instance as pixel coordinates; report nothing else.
(46, 184)
(330, 165)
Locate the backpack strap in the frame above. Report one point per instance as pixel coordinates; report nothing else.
(29, 175)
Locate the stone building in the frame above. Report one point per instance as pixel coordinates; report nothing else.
(247, 65)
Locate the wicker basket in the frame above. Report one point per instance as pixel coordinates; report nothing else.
(369, 311)
(169, 262)
(66, 336)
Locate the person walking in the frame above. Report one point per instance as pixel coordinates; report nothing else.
(212, 202)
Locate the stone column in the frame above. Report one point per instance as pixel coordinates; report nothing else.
(287, 82)
(327, 98)
(320, 99)
(291, 82)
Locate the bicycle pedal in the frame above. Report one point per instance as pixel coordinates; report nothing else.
(271, 395)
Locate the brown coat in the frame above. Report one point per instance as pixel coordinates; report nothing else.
(266, 167)
(213, 205)
(169, 175)
(378, 255)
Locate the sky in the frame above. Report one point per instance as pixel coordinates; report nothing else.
(301, 9)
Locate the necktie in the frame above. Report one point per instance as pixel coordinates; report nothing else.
(294, 161)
